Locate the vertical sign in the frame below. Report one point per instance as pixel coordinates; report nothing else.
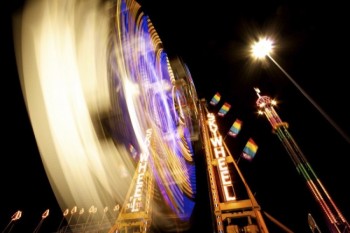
(220, 157)
(141, 170)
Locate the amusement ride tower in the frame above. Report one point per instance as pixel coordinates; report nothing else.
(334, 218)
(230, 212)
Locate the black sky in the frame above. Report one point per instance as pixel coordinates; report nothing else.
(212, 38)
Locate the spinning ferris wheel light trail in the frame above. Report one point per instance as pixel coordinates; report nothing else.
(108, 82)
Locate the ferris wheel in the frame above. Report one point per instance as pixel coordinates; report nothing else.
(156, 93)
(95, 78)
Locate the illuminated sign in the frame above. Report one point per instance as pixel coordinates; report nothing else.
(141, 170)
(220, 156)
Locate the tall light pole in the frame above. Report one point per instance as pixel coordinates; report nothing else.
(262, 49)
(333, 216)
(335, 220)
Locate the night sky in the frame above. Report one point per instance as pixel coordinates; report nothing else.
(213, 39)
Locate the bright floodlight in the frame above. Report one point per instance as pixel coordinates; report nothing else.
(262, 48)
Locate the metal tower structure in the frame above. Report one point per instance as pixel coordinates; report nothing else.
(230, 213)
(334, 218)
(135, 215)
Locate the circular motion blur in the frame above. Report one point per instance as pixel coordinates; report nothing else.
(114, 117)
